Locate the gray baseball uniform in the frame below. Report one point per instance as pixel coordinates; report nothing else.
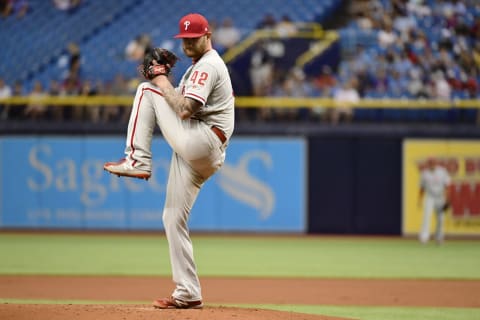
(197, 153)
(434, 183)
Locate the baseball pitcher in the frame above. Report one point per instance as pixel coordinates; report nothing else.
(197, 121)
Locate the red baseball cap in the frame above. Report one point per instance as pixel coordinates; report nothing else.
(431, 161)
(192, 25)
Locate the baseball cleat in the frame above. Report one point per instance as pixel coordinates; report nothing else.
(174, 303)
(123, 169)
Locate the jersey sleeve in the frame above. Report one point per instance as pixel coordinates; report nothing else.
(200, 82)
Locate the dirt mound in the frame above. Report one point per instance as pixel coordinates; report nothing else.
(220, 291)
(141, 312)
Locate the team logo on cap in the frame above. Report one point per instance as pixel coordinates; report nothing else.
(186, 24)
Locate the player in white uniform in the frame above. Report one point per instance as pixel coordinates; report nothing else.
(197, 121)
(434, 184)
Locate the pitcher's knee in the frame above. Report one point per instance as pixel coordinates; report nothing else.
(173, 217)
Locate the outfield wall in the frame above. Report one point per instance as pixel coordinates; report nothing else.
(324, 183)
(58, 182)
(355, 185)
(461, 158)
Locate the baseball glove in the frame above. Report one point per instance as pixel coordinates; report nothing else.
(157, 62)
(446, 206)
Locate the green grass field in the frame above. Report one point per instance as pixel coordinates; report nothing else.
(255, 256)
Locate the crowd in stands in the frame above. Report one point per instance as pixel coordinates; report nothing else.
(17, 8)
(138, 47)
(35, 108)
(421, 51)
(67, 5)
(225, 35)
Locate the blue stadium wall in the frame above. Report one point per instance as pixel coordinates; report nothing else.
(58, 182)
(332, 181)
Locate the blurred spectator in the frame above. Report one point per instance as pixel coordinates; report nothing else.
(285, 27)
(364, 81)
(325, 81)
(319, 112)
(138, 47)
(268, 22)
(54, 89)
(364, 22)
(417, 45)
(261, 70)
(381, 80)
(70, 62)
(403, 23)
(5, 92)
(16, 111)
(293, 85)
(36, 108)
(15, 7)
(75, 59)
(89, 112)
(322, 85)
(119, 87)
(67, 5)
(362, 10)
(71, 86)
(386, 36)
(440, 87)
(475, 29)
(345, 99)
(274, 48)
(402, 64)
(362, 60)
(398, 7)
(470, 83)
(416, 87)
(226, 35)
(418, 8)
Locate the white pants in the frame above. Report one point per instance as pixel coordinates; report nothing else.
(431, 204)
(197, 154)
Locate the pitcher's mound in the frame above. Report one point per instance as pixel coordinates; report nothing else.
(142, 312)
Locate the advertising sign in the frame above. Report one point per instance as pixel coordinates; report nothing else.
(59, 182)
(461, 158)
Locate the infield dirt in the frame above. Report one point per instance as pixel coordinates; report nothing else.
(218, 292)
